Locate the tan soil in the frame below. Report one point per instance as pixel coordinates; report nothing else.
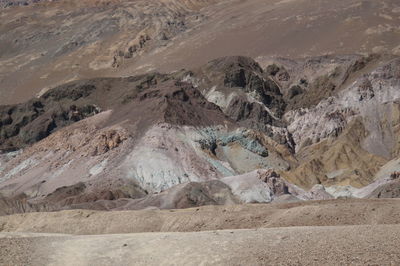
(338, 232)
(311, 213)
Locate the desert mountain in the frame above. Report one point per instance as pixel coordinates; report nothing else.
(322, 127)
(187, 132)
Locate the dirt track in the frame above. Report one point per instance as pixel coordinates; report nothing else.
(333, 232)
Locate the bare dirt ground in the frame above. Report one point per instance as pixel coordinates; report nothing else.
(336, 232)
(337, 245)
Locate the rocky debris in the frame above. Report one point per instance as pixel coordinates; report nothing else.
(135, 48)
(276, 184)
(107, 141)
(395, 175)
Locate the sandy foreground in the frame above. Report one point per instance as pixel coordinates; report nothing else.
(338, 232)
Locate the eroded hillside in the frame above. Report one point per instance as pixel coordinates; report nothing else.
(48, 43)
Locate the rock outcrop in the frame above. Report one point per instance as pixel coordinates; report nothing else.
(225, 133)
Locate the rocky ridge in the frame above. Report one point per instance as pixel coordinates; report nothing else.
(199, 137)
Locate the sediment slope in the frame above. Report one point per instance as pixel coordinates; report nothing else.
(52, 42)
